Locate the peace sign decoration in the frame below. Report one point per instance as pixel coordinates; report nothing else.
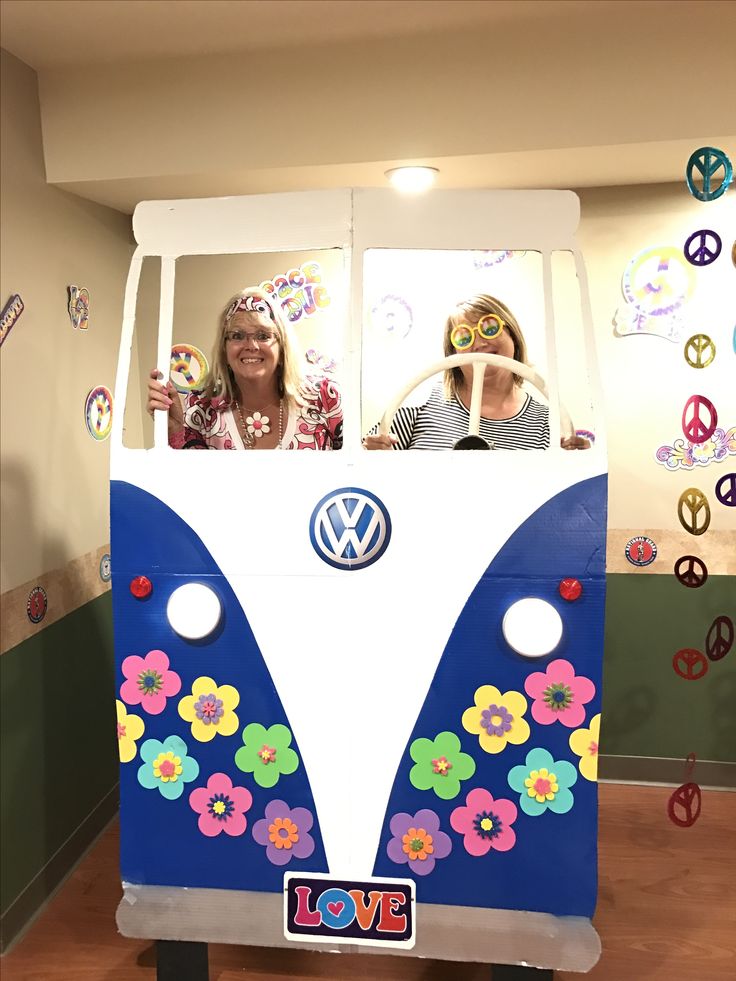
(690, 664)
(694, 426)
(691, 571)
(699, 351)
(693, 510)
(703, 247)
(720, 638)
(708, 161)
(726, 490)
(683, 807)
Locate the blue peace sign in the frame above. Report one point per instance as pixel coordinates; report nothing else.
(708, 160)
(703, 247)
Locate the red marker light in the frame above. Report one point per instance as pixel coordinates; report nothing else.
(571, 589)
(141, 587)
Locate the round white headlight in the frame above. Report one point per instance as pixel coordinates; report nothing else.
(532, 627)
(194, 610)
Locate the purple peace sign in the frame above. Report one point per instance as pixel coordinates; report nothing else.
(691, 571)
(703, 247)
(693, 426)
(726, 490)
(720, 638)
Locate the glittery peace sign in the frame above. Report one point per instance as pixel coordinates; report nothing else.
(719, 639)
(699, 419)
(726, 490)
(693, 510)
(691, 571)
(699, 351)
(690, 664)
(707, 161)
(703, 247)
(683, 807)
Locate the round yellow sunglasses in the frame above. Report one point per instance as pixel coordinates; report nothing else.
(463, 336)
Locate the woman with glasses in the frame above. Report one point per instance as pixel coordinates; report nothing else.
(253, 397)
(510, 418)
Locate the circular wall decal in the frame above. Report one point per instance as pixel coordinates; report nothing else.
(37, 604)
(188, 368)
(98, 412)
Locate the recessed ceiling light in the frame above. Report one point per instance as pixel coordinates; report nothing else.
(412, 180)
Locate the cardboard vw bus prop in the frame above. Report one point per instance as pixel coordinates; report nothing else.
(359, 692)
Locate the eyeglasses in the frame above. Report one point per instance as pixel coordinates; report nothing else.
(463, 336)
(260, 336)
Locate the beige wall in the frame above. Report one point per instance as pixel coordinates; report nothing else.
(55, 478)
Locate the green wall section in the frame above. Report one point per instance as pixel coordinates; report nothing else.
(648, 710)
(58, 752)
(58, 758)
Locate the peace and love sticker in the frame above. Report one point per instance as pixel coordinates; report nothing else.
(703, 247)
(657, 282)
(719, 640)
(699, 351)
(11, 311)
(690, 664)
(683, 807)
(37, 604)
(693, 510)
(726, 490)
(98, 412)
(714, 170)
(188, 368)
(78, 307)
(691, 571)
(699, 419)
(641, 550)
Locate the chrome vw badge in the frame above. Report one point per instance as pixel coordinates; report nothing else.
(350, 528)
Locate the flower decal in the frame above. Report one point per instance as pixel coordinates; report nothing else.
(559, 694)
(130, 728)
(485, 823)
(284, 832)
(210, 709)
(584, 743)
(543, 783)
(686, 455)
(266, 754)
(497, 719)
(149, 682)
(439, 765)
(221, 807)
(258, 425)
(418, 841)
(167, 767)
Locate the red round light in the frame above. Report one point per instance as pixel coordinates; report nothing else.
(571, 589)
(141, 587)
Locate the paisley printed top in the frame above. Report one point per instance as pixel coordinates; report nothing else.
(312, 423)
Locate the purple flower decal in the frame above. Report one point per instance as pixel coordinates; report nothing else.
(209, 709)
(502, 726)
(284, 832)
(418, 841)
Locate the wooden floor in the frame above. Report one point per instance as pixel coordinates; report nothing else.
(666, 912)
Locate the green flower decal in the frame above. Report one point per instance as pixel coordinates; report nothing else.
(266, 753)
(439, 765)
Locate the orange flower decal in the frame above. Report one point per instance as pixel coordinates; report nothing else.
(283, 833)
(417, 844)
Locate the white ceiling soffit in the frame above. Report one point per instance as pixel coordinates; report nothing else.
(55, 33)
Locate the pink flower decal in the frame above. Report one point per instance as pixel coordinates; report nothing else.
(559, 694)
(221, 807)
(485, 823)
(149, 682)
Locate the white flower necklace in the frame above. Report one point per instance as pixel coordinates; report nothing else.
(256, 426)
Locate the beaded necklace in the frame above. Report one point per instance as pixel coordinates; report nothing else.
(256, 427)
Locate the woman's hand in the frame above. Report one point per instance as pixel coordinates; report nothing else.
(379, 442)
(165, 398)
(575, 443)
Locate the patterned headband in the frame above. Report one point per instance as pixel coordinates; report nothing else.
(250, 304)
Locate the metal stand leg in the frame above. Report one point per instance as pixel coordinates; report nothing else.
(514, 972)
(180, 960)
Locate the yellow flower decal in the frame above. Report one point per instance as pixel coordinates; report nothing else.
(130, 728)
(497, 719)
(210, 709)
(584, 743)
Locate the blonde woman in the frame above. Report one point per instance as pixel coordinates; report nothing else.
(254, 397)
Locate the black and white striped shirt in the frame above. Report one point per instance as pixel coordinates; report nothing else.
(438, 425)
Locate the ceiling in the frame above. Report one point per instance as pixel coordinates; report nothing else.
(494, 93)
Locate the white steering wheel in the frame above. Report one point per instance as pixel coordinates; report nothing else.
(479, 363)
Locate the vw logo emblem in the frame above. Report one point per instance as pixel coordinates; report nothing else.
(350, 528)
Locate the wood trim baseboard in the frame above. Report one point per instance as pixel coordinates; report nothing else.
(710, 774)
